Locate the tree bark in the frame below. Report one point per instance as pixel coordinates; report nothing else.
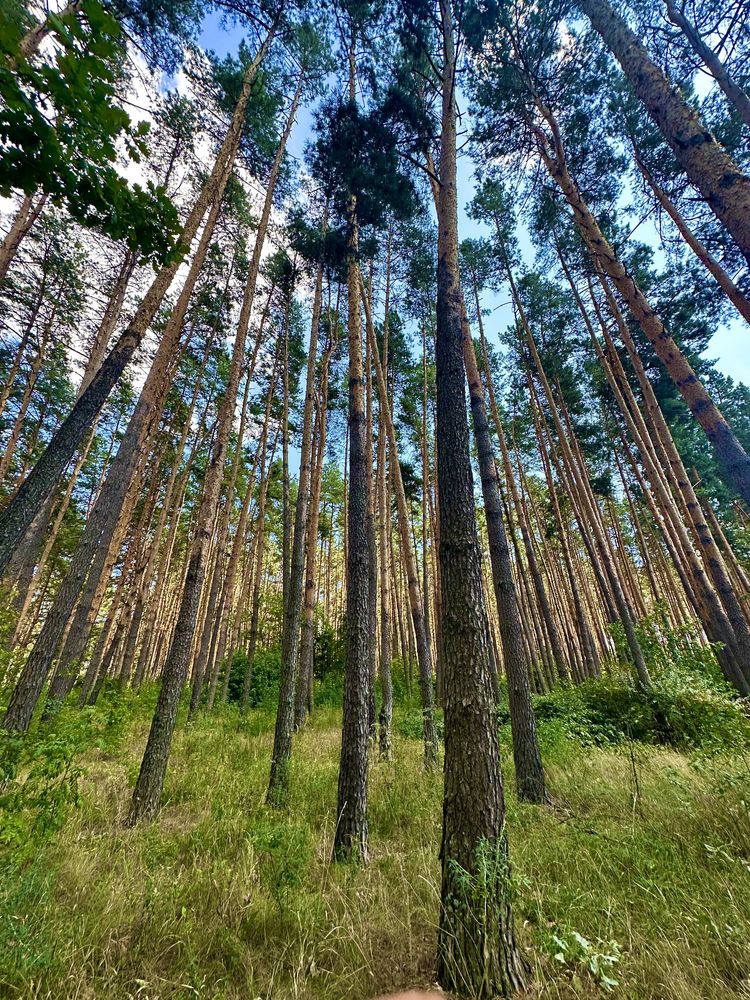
(350, 839)
(730, 454)
(278, 789)
(707, 164)
(424, 660)
(477, 951)
(527, 758)
(30, 498)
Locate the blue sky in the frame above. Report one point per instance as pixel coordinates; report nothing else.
(730, 345)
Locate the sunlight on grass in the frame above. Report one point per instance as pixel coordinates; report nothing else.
(637, 881)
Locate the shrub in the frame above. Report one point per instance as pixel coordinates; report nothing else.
(410, 723)
(607, 711)
(264, 684)
(329, 693)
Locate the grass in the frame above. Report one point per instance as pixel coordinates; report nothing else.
(639, 874)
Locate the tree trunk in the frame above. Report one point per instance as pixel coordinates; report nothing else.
(527, 757)
(424, 660)
(477, 951)
(707, 164)
(729, 452)
(278, 789)
(350, 839)
(31, 497)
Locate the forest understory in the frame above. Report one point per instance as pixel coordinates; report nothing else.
(634, 882)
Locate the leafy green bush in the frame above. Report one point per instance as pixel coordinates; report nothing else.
(598, 958)
(674, 653)
(329, 693)
(329, 652)
(40, 782)
(410, 723)
(264, 684)
(597, 712)
(40, 772)
(606, 712)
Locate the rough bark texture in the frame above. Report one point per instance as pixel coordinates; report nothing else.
(730, 454)
(351, 813)
(477, 952)
(707, 164)
(527, 757)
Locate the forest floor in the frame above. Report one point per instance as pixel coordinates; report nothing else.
(636, 883)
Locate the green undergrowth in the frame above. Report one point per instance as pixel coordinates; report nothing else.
(636, 883)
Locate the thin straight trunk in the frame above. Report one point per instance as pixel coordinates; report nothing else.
(527, 758)
(707, 164)
(278, 788)
(426, 495)
(384, 527)
(416, 606)
(147, 792)
(372, 535)
(286, 521)
(257, 576)
(477, 950)
(304, 696)
(396, 603)
(19, 514)
(350, 839)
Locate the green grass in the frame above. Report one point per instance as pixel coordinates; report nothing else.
(645, 858)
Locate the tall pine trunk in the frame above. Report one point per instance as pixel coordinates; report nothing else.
(477, 950)
(31, 497)
(707, 164)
